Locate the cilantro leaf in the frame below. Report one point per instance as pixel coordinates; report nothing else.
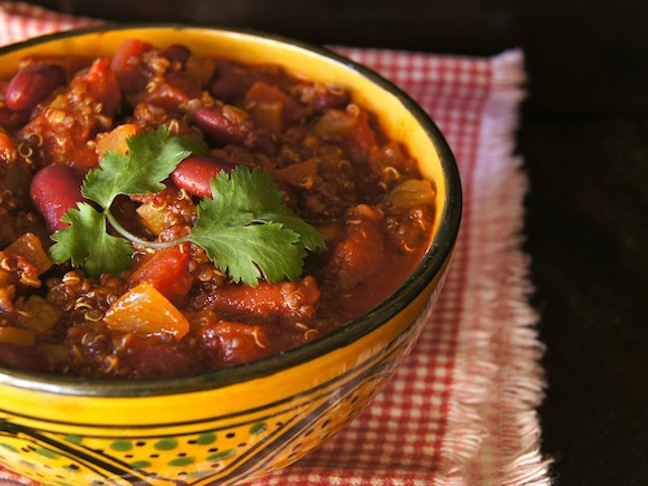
(312, 239)
(247, 252)
(256, 192)
(246, 191)
(85, 243)
(247, 230)
(150, 160)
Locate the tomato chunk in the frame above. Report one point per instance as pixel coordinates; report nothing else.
(286, 299)
(177, 89)
(75, 115)
(100, 83)
(359, 141)
(144, 311)
(232, 343)
(127, 64)
(166, 270)
(360, 251)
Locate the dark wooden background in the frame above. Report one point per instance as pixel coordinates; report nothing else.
(584, 138)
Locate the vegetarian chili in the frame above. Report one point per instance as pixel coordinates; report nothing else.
(164, 214)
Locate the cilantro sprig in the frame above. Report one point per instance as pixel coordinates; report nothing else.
(245, 228)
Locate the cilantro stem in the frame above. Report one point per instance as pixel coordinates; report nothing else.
(158, 245)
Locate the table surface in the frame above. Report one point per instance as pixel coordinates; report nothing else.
(584, 139)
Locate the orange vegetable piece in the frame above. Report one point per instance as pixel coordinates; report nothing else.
(268, 115)
(144, 311)
(296, 174)
(21, 271)
(30, 247)
(38, 315)
(115, 141)
(17, 336)
(263, 93)
(7, 147)
(6, 278)
(7, 294)
(153, 217)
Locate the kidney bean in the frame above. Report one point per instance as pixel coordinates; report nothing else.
(12, 120)
(19, 357)
(178, 52)
(54, 190)
(330, 100)
(226, 89)
(194, 174)
(32, 85)
(161, 360)
(229, 82)
(70, 64)
(222, 128)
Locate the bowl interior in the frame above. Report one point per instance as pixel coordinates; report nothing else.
(400, 118)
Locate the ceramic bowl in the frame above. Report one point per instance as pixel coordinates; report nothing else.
(239, 423)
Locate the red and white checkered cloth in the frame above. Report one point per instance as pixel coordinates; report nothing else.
(461, 408)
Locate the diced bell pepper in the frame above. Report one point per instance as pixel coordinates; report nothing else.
(166, 270)
(30, 247)
(16, 336)
(38, 315)
(144, 311)
(115, 140)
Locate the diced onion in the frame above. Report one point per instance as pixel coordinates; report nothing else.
(412, 193)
